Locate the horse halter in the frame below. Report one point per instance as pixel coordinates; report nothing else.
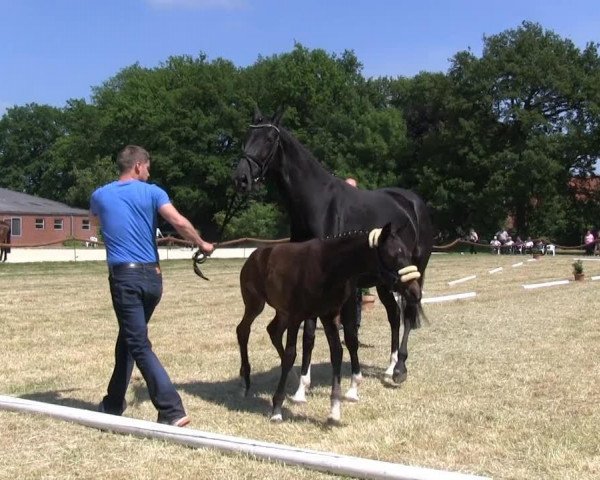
(262, 168)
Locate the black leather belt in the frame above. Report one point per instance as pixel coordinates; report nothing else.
(122, 267)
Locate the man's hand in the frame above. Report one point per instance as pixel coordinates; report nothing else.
(207, 247)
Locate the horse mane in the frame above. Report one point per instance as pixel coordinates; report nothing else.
(303, 150)
(351, 233)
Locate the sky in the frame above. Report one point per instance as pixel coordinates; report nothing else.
(54, 50)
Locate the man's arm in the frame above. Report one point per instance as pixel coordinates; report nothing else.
(184, 227)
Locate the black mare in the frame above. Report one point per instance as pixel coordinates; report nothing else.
(321, 205)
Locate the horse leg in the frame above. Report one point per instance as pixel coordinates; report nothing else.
(348, 318)
(287, 362)
(275, 329)
(393, 313)
(308, 343)
(253, 306)
(335, 353)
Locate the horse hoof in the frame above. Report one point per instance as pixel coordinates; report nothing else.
(399, 378)
(388, 381)
(334, 421)
(277, 418)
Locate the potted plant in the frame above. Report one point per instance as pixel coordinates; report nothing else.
(578, 270)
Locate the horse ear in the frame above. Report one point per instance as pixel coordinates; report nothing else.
(257, 117)
(278, 116)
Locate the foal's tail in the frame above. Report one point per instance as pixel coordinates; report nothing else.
(413, 309)
(420, 316)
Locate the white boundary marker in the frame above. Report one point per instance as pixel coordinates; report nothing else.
(447, 298)
(461, 280)
(588, 259)
(322, 461)
(495, 270)
(545, 284)
(517, 264)
(596, 277)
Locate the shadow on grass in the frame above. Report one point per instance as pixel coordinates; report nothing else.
(58, 397)
(230, 393)
(227, 393)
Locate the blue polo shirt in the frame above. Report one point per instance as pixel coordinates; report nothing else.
(128, 218)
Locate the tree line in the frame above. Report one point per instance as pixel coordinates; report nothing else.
(501, 135)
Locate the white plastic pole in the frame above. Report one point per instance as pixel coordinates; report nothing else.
(447, 298)
(461, 280)
(545, 284)
(495, 270)
(323, 461)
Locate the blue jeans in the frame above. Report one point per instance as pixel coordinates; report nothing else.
(135, 294)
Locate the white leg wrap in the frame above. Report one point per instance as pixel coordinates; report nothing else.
(393, 361)
(300, 395)
(277, 417)
(335, 415)
(336, 410)
(352, 393)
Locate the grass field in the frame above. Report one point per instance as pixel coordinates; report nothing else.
(506, 384)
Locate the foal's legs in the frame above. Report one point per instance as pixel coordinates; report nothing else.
(308, 343)
(393, 314)
(253, 306)
(275, 329)
(287, 362)
(335, 353)
(410, 322)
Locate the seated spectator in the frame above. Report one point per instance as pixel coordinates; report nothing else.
(539, 247)
(508, 245)
(518, 248)
(92, 242)
(528, 245)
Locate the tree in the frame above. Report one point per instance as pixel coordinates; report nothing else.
(26, 137)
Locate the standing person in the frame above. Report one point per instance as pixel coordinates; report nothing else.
(359, 293)
(127, 210)
(473, 238)
(589, 242)
(352, 181)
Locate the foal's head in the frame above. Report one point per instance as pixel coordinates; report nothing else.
(260, 148)
(395, 260)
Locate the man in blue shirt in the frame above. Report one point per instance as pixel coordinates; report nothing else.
(127, 211)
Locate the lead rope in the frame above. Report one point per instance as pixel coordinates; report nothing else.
(199, 256)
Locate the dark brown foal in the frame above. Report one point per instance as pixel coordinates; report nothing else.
(307, 280)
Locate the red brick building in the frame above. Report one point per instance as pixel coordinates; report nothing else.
(35, 220)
